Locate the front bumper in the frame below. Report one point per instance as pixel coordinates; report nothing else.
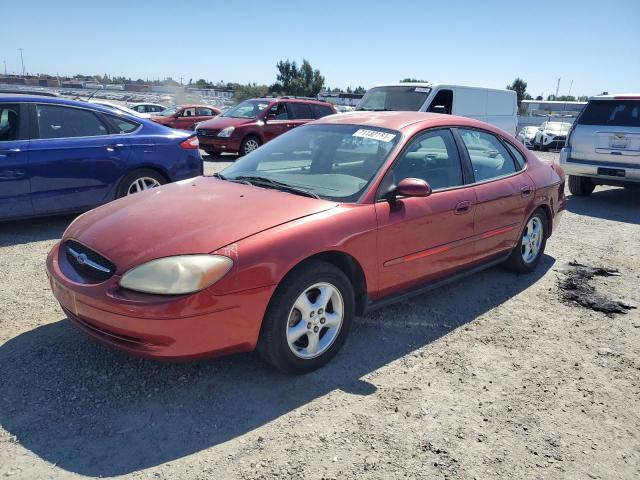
(598, 169)
(219, 144)
(181, 327)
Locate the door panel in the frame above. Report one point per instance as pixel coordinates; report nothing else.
(278, 125)
(421, 239)
(15, 191)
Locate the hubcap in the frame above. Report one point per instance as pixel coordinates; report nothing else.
(141, 184)
(250, 146)
(532, 240)
(315, 320)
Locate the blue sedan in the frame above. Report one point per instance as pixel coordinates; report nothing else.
(62, 156)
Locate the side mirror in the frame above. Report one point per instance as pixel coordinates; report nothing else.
(409, 187)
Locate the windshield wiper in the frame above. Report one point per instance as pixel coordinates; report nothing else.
(268, 182)
(374, 109)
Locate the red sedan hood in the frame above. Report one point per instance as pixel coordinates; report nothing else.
(199, 215)
(224, 122)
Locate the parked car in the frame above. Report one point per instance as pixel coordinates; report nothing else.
(335, 218)
(185, 117)
(119, 107)
(253, 122)
(551, 135)
(497, 107)
(603, 146)
(63, 156)
(526, 135)
(147, 107)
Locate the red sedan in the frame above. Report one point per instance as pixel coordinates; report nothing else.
(282, 249)
(185, 117)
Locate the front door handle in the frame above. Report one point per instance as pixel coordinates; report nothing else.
(10, 151)
(462, 208)
(114, 147)
(526, 190)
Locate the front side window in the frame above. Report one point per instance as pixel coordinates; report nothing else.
(279, 111)
(8, 123)
(189, 112)
(433, 157)
(56, 121)
(489, 158)
(335, 162)
(300, 111)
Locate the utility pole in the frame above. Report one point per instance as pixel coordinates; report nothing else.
(558, 87)
(5, 67)
(180, 80)
(22, 61)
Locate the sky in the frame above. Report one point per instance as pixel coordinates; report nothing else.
(593, 44)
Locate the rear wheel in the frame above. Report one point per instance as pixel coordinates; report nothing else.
(139, 181)
(308, 318)
(526, 255)
(249, 144)
(581, 186)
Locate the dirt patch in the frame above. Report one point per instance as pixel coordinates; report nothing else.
(576, 287)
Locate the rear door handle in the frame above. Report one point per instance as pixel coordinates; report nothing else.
(462, 208)
(10, 151)
(526, 190)
(115, 146)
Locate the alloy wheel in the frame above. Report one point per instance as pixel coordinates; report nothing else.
(532, 239)
(141, 184)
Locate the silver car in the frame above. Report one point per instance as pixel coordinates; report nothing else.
(603, 146)
(526, 135)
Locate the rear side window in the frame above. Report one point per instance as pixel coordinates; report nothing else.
(62, 122)
(617, 113)
(489, 158)
(205, 112)
(122, 125)
(519, 158)
(320, 111)
(8, 123)
(300, 111)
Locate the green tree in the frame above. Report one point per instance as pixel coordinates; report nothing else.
(520, 87)
(298, 81)
(251, 90)
(201, 83)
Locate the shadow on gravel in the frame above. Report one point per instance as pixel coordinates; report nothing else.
(617, 204)
(97, 412)
(17, 232)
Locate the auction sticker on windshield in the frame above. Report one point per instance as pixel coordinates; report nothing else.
(422, 90)
(374, 135)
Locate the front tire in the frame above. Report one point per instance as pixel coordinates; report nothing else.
(308, 318)
(249, 144)
(581, 186)
(527, 254)
(140, 180)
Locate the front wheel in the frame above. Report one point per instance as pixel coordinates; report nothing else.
(308, 318)
(249, 144)
(526, 255)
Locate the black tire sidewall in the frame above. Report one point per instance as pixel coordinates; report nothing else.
(130, 177)
(273, 345)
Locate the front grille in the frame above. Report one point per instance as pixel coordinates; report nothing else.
(207, 132)
(88, 263)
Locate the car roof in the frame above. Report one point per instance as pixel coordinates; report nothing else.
(104, 107)
(403, 120)
(617, 96)
(290, 99)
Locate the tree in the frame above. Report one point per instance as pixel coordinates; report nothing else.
(201, 83)
(412, 80)
(360, 90)
(520, 87)
(297, 81)
(583, 98)
(251, 90)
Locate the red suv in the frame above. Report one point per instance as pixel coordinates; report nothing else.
(185, 117)
(254, 122)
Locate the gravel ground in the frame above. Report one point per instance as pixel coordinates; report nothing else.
(494, 376)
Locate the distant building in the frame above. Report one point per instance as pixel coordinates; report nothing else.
(212, 92)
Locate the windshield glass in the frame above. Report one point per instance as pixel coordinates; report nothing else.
(168, 112)
(405, 98)
(247, 109)
(334, 162)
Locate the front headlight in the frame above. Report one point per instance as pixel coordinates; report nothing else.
(177, 275)
(226, 132)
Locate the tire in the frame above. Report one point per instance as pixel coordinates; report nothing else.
(150, 179)
(249, 144)
(519, 261)
(581, 186)
(282, 317)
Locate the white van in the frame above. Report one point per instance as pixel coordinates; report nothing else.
(498, 107)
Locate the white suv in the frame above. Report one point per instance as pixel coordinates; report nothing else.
(603, 146)
(551, 135)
